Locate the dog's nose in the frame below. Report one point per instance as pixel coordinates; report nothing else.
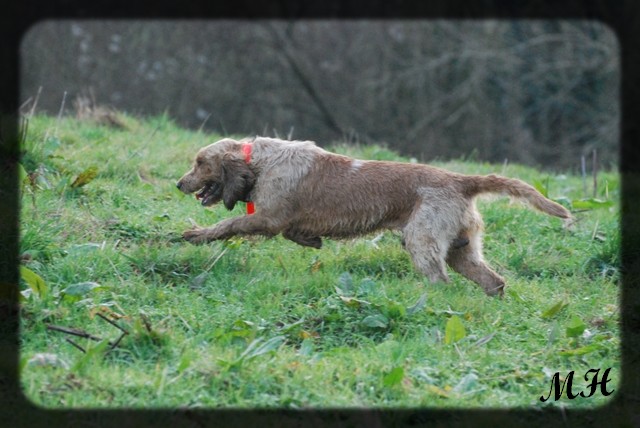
(179, 185)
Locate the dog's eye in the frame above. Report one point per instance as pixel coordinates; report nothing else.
(199, 162)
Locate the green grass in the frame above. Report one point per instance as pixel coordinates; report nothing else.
(267, 323)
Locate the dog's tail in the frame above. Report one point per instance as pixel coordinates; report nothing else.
(518, 189)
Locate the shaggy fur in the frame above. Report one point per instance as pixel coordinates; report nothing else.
(306, 193)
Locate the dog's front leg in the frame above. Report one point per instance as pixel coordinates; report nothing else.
(245, 225)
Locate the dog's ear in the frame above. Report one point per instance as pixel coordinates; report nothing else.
(237, 180)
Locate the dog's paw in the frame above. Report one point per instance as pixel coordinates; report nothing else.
(195, 236)
(496, 291)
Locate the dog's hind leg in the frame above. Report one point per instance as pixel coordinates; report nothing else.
(427, 252)
(468, 261)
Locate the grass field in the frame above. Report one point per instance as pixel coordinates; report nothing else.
(267, 323)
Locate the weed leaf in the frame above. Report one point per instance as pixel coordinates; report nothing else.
(92, 353)
(484, 340)
(564, 201)
(394, 377)
(85, 248)
(438, 391)
(580, 351)
(419, 305)
(542, 187)
(394, 310)
(162, 217)
(85, 177)
(47, 360)
(466, 383)
(34, 281)
(367, 286)
(81, 288)
(454, 330)
(346, 284)
(293, 326)
(575, 327)
(553, 334)
(353, 302)
(185, 362)
(376, 321)
(23, 177)
(553, 310)
(259, 347)
(590, 204)
(199, 280)
(513, 293)
(306, 348)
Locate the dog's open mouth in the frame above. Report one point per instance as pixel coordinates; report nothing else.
(210, 194)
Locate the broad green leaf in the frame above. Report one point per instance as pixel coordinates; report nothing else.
(580, 351)
(185, 362)
(346, 284)
(353, 302)
(513, 293)
(268, 346)
(564, 201)
(47, 359)
(394, 377)
(233, 243)
(250, 348)
(50, 145)
(85, 248)
(394, 310)
(62, 184)
(376, 321)
(199, 280)
(542, 187)
(367, 286)
(81, 288)
(575, 327)
(93, 352)
(422, 374)
(454, 330)
(419, 305)
(294, 325)
(85, 177)
(241, 328)
(553, 334)
(467, 383)
(306, 348)
(34, 281)
(438, 391)
(554, 310)
(162, 217)
(22, 174)
(591, 204)
(260, 346)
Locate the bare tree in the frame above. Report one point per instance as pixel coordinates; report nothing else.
(536, 92)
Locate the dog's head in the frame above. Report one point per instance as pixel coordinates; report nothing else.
(219, 173)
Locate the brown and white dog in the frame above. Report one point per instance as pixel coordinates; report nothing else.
(306, 193)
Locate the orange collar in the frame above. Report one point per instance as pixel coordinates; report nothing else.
(246, 149)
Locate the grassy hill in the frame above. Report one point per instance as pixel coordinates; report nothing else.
(267, 323)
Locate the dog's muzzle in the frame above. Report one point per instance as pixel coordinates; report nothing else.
(210, 194)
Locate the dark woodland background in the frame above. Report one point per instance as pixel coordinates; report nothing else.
(537, 92)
